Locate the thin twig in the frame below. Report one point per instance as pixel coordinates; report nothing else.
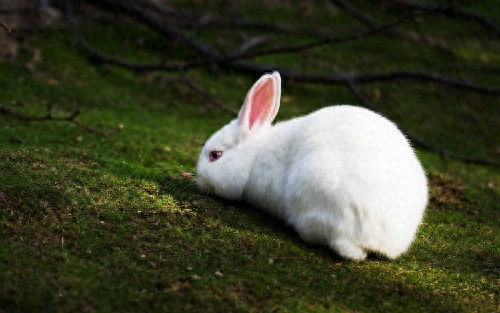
(354, 12)
(137, 12)
(426, 77)
(365, 78)
(104, 58)
(180, 15)
(7, 28)
(49, 117)
(207, 95)
(357, 93)
(452, 12)
(34, 118)
(409, 36)
(323, 41)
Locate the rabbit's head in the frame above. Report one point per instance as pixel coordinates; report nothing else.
(226, 159)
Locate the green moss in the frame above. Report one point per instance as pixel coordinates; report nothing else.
(116, 224)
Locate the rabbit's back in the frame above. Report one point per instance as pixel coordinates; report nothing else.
(354, 183)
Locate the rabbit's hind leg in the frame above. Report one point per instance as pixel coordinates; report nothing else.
(347, 249)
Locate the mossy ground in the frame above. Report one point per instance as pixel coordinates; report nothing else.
(116, 224)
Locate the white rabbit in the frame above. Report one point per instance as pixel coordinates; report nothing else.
(342, 176)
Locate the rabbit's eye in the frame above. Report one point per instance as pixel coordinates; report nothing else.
(214, 155)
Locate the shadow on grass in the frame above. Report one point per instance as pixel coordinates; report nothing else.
(358, 285)
(317, 276)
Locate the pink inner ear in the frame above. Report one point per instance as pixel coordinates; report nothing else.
(262, 101)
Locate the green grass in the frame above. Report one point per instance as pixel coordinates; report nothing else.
(116, 224)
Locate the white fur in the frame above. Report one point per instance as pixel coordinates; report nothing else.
(342, 176)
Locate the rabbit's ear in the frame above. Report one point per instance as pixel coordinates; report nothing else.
(261, 104)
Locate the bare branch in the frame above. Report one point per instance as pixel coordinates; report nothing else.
(138, 67)
(410, 36)
(49, 117)
(133, 10)
(212, 57)
(365, 78)
(166, 11)
(328, 40)
(7, 28)
(452, 12)
(426, 77)
(417, 140)
(206, 95)
(315, 78)
(230, 61)
(251, 43)
(341, 78)
(354, 12)
(357, 93)
(194, 20)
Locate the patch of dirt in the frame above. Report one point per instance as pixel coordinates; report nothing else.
(446, 192)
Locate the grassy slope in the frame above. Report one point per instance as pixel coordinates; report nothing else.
(116, 224)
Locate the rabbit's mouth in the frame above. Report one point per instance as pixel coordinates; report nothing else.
(204, 186)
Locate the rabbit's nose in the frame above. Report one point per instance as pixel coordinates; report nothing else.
(204, 185)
